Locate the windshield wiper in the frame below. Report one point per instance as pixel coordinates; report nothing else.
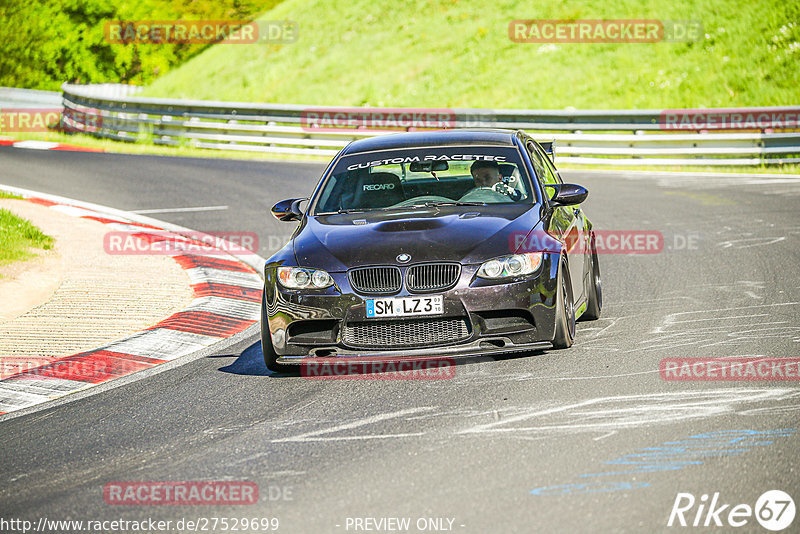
(364, 210)
(436, 204)
(429, 204)
(342, 212)
(452, 203)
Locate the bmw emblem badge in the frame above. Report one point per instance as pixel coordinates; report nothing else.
(403, 258)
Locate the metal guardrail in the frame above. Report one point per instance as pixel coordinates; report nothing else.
(12, 97)
(292, 129)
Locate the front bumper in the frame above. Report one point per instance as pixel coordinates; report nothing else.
(500, 318)
(462, 350)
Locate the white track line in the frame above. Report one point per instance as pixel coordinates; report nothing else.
(181, 210)
(315, 435)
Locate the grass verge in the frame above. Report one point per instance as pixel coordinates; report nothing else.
(18, 236)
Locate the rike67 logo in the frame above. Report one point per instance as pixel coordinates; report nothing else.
(774, 510)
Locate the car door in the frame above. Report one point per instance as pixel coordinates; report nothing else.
(567, 221)
(581, 264)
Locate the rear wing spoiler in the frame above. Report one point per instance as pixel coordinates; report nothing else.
(549, 148)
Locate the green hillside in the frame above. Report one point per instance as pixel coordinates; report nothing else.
(459, 54)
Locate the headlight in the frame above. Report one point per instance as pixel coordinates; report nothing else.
(300, 278)
(510, 266)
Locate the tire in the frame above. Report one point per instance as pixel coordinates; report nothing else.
(565, 313)
(595, 303)
(270, 357)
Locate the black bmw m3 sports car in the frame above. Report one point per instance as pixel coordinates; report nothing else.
(424, 244)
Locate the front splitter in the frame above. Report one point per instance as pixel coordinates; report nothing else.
(474, 349)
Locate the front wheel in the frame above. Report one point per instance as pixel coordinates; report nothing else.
(270, 357)
(565, 313)
(595, 303)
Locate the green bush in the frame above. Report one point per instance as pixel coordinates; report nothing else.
(44, 43)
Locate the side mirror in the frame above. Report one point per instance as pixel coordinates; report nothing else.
(288, 210)
(567, 194)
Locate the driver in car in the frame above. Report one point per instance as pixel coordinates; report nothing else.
(486, 175)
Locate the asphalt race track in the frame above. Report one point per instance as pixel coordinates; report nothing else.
(587, 439)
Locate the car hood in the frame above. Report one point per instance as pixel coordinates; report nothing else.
(343, 241)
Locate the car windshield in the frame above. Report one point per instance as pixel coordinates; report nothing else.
(424, 177)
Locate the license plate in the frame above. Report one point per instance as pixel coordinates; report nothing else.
(404, 306)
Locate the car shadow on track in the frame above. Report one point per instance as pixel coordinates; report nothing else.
(250, 362)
